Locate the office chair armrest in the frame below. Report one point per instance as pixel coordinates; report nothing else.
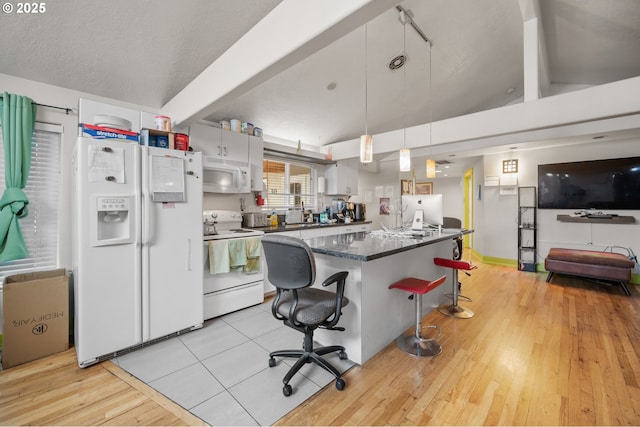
(339, 278)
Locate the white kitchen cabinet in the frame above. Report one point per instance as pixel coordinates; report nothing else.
(353, 228)
(205, 139)
(222, 144)
(313, 232)
(256, 156)
(342, 177)
(234, 146)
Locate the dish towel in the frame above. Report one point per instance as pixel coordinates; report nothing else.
(254, 246)
(237, 254)
(218, 256)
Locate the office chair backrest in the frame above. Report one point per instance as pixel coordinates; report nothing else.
(450, 222)
(290, 262)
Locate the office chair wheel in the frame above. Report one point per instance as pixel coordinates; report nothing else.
(287, 390)
(340, 384)
(272, 362)
(342, 355)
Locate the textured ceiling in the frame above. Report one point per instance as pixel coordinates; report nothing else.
(146, 51)
(142, 51)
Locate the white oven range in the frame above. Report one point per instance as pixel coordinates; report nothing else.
(226, 292)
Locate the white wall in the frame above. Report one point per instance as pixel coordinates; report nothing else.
(387, 181)
(499, 223)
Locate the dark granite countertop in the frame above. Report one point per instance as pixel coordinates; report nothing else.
(368, 246)
(307, 226)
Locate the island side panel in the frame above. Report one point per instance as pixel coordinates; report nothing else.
(351, 318)
(377, 315)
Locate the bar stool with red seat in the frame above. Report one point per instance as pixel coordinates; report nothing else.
(416, 344)
(453, 309)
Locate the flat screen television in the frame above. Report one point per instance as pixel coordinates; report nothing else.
(429, 204)
(595, 184)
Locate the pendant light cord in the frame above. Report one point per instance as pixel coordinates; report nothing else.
(404, 71)
(366, 85)
(430, 102)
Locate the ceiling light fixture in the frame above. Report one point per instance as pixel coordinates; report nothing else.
(405, 153)
(510, 166)
(366, 140)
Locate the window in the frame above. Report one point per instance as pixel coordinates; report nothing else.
(40, 226)
(289, 184)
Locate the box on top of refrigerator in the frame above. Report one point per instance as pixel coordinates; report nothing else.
(100, 132)
(35, 316)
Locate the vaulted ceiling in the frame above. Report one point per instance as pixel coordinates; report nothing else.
(146, 51)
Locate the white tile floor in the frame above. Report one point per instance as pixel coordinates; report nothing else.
(221, 373)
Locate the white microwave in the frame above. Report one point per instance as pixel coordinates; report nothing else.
(220, 176)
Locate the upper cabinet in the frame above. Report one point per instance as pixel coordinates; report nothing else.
(215, 142)
(342, 177)
(234, 146)
(256, 147)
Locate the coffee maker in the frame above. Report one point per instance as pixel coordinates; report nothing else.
(359, 210)
(350, 211)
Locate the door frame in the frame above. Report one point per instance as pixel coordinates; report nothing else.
(468, 207)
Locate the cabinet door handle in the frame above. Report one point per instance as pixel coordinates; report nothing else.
(225, 151)
(219, 150)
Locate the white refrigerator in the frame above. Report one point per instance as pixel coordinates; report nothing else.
(137, 245)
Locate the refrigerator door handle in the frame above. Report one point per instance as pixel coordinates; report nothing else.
(188, 251)
(147, 208)
(148, 220)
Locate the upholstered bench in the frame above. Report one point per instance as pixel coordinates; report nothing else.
(605, 266)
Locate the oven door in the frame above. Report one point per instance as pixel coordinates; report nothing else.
(227, 292)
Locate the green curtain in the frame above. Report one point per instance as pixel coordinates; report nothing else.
(17, 117)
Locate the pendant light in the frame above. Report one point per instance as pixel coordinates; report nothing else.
(366, 140)
(431, 164)
(405, 153)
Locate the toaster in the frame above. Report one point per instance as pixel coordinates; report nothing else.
(255, 219)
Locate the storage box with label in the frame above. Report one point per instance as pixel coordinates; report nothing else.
(35, 316)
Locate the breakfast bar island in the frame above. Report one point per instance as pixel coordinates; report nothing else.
(376, 315)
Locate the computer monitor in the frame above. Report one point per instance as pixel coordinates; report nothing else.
(429, 204)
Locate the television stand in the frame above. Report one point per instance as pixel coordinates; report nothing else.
(598, 219)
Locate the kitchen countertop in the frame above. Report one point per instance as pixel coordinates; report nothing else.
(307, 226)
(368, 246)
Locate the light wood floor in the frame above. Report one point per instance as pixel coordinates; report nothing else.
(565, 353)
(534, 354)
(55, 391)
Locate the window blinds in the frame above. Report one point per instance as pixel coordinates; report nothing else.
(288, 184)
(40, 227)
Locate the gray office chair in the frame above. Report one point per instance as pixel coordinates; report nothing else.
(292, 270)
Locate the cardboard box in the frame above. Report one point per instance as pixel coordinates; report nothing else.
(35, 316)
(100, 132)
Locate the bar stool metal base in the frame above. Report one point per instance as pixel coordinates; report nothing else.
(456, 311)
(418, 347)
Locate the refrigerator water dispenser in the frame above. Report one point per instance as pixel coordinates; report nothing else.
(113, 223)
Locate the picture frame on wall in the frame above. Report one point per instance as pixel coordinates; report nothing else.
(405, 186)
(385, 206)
(424, 187)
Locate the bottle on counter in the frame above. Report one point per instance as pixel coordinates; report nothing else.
(274, 219)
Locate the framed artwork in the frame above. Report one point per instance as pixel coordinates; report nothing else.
(405, 186)
(385, 203)
(424, 187)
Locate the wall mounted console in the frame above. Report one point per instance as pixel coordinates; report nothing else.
(596, 220)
